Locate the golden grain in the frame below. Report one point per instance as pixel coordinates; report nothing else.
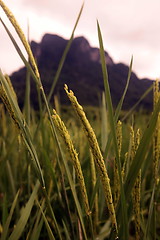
(74, 157)
(97, 155)
(21, 36)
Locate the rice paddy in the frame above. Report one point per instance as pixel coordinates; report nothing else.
(82, 173)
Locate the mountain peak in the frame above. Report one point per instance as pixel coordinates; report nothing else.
(82, 72)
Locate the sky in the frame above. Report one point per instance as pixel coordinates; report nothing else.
(129, 27)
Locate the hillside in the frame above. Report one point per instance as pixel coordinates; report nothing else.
(81, 72)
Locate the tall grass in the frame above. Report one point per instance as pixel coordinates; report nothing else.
(60, 179)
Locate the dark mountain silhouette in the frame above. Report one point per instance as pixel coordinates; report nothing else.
(82, 73)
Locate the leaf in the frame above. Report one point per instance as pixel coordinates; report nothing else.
(112, 122)
(50, 234)
(6, 226)
(64, 56)
(16, 234)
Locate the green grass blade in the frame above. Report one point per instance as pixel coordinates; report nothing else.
(23, 127)
(28, 66)
(27, 92)
(129, 112)
(38, 224)
(119, 107)
(140, 157)
(64, 56)
(104, 124)
(150, 215)
(52, 214)
(36, 234)
(141, 151)
(113, 131)
(4, 209)
(27, 104)
(67, 237)
(50, 234)
(11, 178)
(24, 215)
(72, 186)
(6, 226)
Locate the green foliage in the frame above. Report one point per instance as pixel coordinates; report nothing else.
(40, 195)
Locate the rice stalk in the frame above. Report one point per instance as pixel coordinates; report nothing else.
(3, 96)
(136, 192)
(93, 181)
(8, 97)
(116, 180)
(21, 36)
(97, 155)
(124, 166)
(74, 157)
(156, 136)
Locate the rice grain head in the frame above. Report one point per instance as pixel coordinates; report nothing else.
(156, 136)
(97, 155)
(7, 104)
(136, 193)
(21, 36)
(116, 186)
(74, 157)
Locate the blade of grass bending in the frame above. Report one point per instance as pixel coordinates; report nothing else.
(21, 36)
(37, 79)
(64, 56)
(24, 215)
(28, 66)
(6, 226)
(113, 131)
(30, 70)
(33, 74)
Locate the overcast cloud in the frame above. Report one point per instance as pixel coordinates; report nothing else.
(128, 27)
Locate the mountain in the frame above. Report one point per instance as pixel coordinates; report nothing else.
(82, 73)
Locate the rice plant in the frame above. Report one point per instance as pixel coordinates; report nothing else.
(65, 176)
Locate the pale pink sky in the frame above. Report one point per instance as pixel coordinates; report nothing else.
(129, 27)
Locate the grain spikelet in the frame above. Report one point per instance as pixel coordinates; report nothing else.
(97, 155)
(21, 36)
(156, 137)
(93, 179)
(116, 175)
(137, 186)
(6, 102)
(74, 157)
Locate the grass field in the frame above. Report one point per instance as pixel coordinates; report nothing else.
(74, 173)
